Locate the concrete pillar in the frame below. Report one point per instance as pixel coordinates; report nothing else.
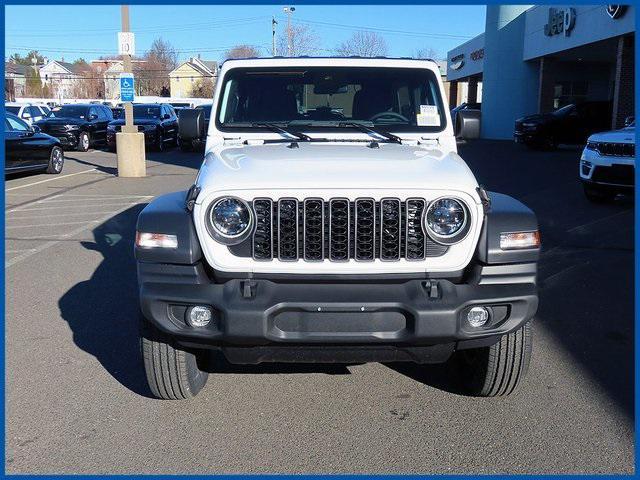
(472, 95)
(453, 93)
(547, 82)
(624, 87)
(508, 81)
(131, 154)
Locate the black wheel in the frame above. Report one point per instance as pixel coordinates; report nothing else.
(498, 369)
(56, 160)
(597, 195)
(84, 142)
(186, 146)
(159, 141)
(172, 373)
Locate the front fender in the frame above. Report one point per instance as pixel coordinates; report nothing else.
(168, 214)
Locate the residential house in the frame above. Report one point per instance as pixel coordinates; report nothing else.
(15, 81)
(183, 77)
(61, 77)
(112, 72)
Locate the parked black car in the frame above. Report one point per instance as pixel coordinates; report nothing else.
(570, 124)
(118, 112)
(27, 148)
(158, 122)
(194, 134)
(78, 126)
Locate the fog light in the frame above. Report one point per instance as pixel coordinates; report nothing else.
(477, 316)
(199, 316)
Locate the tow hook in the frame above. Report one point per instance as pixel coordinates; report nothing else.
(248, 288)
(432, 289)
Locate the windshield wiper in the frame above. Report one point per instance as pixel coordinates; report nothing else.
(275, 128)
(390, 137)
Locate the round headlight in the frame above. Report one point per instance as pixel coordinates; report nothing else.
(446, 219)
(230, 218)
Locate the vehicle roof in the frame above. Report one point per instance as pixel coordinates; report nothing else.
(16, 104)
(355, 61)
(86, 105)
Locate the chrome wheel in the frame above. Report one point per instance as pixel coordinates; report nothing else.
(56, 160)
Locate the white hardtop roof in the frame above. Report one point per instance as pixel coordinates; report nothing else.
(331, 62)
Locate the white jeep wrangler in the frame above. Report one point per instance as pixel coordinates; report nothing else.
(333, 221)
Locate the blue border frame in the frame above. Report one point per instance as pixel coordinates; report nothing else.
(319, 2)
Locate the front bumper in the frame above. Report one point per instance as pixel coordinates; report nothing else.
(150, 137)
(68, 139)
(526, 137)
(614, 172)
(263, 320)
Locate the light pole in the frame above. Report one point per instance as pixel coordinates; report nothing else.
(289, 11)
(273, 36)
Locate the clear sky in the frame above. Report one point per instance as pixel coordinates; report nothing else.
(90, 31)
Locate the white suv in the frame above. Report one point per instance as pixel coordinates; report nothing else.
(607, 164)
(28, 112)
(332, 220)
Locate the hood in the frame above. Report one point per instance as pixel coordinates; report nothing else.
(625, 135)
(139, 121)
(61, 121)
(334, 166)
(536, 118)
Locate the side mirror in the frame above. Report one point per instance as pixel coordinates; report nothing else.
(93, 116)
(467, 124)
(26, 115)
(629, 120)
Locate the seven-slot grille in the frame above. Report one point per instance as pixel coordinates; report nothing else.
(340, 230)
(616, 149)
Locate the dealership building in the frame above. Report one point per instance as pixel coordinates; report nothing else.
(534, 59)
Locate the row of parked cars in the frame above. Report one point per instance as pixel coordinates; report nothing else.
(36, 135)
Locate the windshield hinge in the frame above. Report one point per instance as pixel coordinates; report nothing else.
(429, 141)
(233, 140)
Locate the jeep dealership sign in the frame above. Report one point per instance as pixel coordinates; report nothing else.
(560, 20)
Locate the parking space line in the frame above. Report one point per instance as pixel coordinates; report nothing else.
(62, 214)
(49, 224)
(84, 205)
(50, 179)
(63, 237)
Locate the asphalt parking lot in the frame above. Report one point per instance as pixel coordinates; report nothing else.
(77, 401)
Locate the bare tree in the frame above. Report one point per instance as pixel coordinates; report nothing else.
(242, 51)
(304, 41)
(363, 44)
(203, 88)
(153, 73)
(427, 53)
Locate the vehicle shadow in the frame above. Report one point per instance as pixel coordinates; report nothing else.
(102, 312)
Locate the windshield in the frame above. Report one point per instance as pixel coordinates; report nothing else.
(69, 111)
(141, 111)
(13, 110)
(398, 99)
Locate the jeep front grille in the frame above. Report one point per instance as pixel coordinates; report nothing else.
(616, 149)
(340, 230)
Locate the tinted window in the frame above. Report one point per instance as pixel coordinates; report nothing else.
(35, 112)
(143, 111)
(404, 99)
(12, 109)
(17, 124)
(106, 111)
(45, 110)
(69, 111)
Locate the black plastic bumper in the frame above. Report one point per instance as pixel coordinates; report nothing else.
(262, 320)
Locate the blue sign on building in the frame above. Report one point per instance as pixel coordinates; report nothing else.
(126, 87)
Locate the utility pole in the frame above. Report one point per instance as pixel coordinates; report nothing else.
(129, 142)
(273, 36)
(289, 11)
(128, 127)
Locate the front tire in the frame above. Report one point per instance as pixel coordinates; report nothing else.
(56, 160)
(84, 142)
(159, 141)
(498, 369)
(172, 373)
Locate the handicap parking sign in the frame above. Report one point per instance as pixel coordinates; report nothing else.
(126, 87)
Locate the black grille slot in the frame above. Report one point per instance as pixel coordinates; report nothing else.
(365, 231)
(339, 229)
(616, 174)
(390, 229)
(414, 235)
(263, 234)
(288, 229)
(313, 239)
